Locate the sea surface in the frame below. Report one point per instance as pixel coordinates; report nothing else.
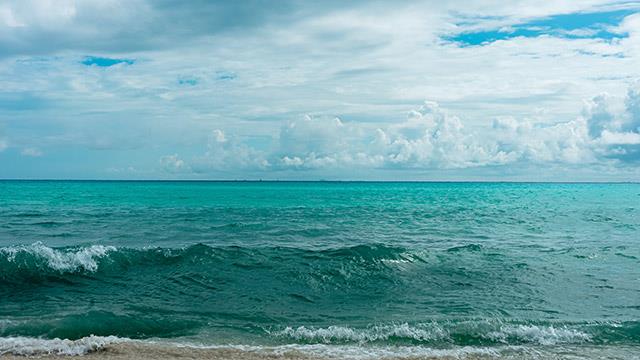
(332, 269)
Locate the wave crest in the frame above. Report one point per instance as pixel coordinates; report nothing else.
(65, 260)
(340, 334)
(433, 332)
(543, 335)
(37, 258)
(25, 346)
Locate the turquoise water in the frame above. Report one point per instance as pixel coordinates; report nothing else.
(438, 265)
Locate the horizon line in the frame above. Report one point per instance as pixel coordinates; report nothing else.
(321, 181)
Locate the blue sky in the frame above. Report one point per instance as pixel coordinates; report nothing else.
(586, 25)
(360, 90)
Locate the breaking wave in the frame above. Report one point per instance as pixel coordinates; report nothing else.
(294, 295)
(434, 332)
(66, 260)
(340, 334)
(35, 347)
(29, 261)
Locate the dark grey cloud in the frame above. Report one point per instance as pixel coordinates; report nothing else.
(139, 25)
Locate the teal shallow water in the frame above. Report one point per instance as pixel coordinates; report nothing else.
(443, 265)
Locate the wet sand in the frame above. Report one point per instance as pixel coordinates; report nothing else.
(142, 351)
(153, 351)
(126, 351)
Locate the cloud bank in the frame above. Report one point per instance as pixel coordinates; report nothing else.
(431, 138)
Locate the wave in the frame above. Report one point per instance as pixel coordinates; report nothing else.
(24, 346)
(101, 323)
(543, 335)
(433, 332)
(89, 259)
(173, 349)
(462, 296)
(353, 267)
(64, 260)
(341, 334)
(27, 346)
(440, 334)
(30, 259)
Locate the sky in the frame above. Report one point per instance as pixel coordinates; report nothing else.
(477, 90)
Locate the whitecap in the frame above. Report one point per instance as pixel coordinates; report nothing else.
(543, 335)
(61, 260)
(334, 334)
(35, 346)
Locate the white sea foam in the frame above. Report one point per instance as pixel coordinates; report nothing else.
(390, 352)
(507, 334)
(333, 334)
(38, 347)
(543, 335)
(61, 260)
(355, 352)
(34, 346)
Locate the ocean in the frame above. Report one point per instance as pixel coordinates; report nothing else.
(321, 269)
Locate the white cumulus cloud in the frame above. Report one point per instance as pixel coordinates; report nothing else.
(173, 164)
(431, 138)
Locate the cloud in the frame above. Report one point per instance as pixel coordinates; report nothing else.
(621, 138)
(32, 152)
(616, 138)
(600, 117)
(39, 27)
(564, 142)
(431, 138)
(315, 142)
(224, 153)
(605, 114)
(255, 70)
(173, 164)
(632, 104)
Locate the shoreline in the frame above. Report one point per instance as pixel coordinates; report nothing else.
(112, 348)
(148, 351)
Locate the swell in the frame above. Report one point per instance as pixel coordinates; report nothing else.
(25, 346)
(38, 257)
(446, 334)
(289, 295)
(478, 332)
(30, 261)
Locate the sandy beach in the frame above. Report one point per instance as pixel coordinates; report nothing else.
(145, 351)
(149, 351)
(132, 350)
